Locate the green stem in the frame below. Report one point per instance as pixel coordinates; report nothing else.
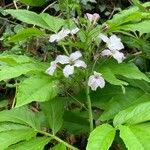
(89, 106)
(59, 140)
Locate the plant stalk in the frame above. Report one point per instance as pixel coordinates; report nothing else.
(89, 106)
(59, 140)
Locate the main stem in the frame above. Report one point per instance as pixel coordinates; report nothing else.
(59, 140)
(89, 106)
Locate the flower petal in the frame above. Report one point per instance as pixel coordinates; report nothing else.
(53, 38)
(52, 68)
(103, 37)
(115, 43)
(62, 59)
(92, 83)
(106, 52)
(118, 56)
(68, 70)
(76, 55)
(80, 63)
(89, 17)
(74, 31)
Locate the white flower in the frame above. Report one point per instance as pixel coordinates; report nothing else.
(96, 81)
(115, 45)
(119, 56)
(93, 17)
(62, 34)
(72, 61)
(52, 68)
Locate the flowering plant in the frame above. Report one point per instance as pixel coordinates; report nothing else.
(87, 86)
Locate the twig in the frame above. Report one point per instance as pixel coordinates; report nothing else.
(49, 6)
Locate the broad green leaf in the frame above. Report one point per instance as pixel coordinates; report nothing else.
(36, 88)
(54, 23)
(34, 2)
(8, 138)
(142, 27)
(59, 147)
(54, 111)
(26, 33)
(111, 69)
(133, 115)
(121, 102)
(15, 59)
(22, 116)
(8, 72)
(110, 77)
(5, 126)
(101, 138)
(37, 143)
(42, 20)
(130, 139)
(74, 123)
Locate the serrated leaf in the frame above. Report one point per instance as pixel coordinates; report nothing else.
(133, 115)
(36, 88)
(123, 101)
(42, 20)
(111, 69)
(22, 116)
(8, 138)
(130, 139)
(59, 147)
(37, 143)
(101, 137)
(15, 59)
(74, 123)
(5, 126)
(26, 33)
(54, 111)
(8, 72)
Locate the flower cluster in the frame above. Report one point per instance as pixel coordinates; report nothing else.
(114, 45)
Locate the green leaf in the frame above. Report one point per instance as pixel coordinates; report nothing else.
(122, 101)
(74, 123)
(8, 138)
(111, 69)
(34, 2)
(36, 88)
(130, 139)
(54, 111)
(5, 126)
(54, 23)
(133, 115)
(101, 137)
(26, 33)
(15, 59)
(59, 147)
(37, 143)
(22, 116)
(42, 20)
(142, 27)
(8, 72)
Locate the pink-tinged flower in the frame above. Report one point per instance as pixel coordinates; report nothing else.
(71, 61)
(96, 81)
(52, 68)
(62, 34)
(92, 17)
(115, 45)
